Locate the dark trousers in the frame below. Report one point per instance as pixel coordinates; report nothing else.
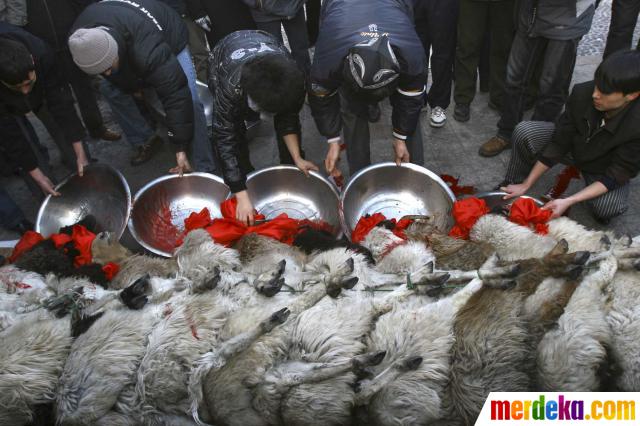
(296, 30)
(558, 59)
(82, 86)
(529, 139)
(244, 159)
(10, 213)
(355, 130)
(475, 17)
(436, 26)
(226, 17)
(624, 16)
(312, 8)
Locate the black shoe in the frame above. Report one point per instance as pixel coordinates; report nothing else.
(146, 152)
(23, 227)
(462, 113)
(373, 113)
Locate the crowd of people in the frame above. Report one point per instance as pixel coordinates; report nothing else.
(56, 54)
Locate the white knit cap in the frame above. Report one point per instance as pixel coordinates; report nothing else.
(93, 49)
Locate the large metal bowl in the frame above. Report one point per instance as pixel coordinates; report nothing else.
(396, 191)
(102, 192)
(207, 100)
(162, 205)
(285, 189)
(494, 199)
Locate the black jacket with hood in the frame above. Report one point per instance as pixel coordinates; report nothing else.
(345, 23)
(230, 100)
(50, 87)
(150, 35)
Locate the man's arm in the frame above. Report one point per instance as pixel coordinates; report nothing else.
(407, 101)
(516, 190)
(560, 205)
(325, 109)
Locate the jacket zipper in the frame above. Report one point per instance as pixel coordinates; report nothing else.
(53, 28)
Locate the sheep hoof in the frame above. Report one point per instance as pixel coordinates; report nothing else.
(361, 362)
(411, 363)
(349, 283)
(270, 288)
(350, 265)
(434, 291)
(573, 272)
(281, 266)
(581, 257)
(606, 242)
(80, 323)
(276, 318)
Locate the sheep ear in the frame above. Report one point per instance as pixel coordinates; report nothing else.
(561, 248)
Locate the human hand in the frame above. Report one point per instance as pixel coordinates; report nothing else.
(81, 157)
(332, 158)
(43, 182)
(305, 166)
(182, 164)
(514, 190)
(401, 151)
(558, 206)
(244, 209)
(204, 23)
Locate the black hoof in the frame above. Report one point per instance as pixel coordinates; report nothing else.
(412, 363)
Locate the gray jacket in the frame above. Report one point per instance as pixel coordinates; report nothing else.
(14, 12)
(555, 19)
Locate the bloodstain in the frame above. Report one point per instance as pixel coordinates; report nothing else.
(22, 285)
(164, 232)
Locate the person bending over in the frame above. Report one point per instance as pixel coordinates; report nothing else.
(598, 133)
(252, 70)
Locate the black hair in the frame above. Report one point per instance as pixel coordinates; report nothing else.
(274, 82)
(620, 72)
(16, 61)
(369, 96)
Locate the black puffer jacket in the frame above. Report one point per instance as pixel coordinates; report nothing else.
(50, 88)
(270, 10)
(149, 35)
(230, 100)
(345, 23)
(50, 20)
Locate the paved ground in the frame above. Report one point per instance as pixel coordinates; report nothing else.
(451, 149)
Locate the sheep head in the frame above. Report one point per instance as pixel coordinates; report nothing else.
(341, 279)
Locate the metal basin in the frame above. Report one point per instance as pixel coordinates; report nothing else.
(102, 192)
(162, 205)
(396, 192)
(285, 189)
(495, 202)
(207, 100)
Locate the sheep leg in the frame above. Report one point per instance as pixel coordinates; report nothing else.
(629, 264)
(366, 390)
(242, 341)
(318, 372)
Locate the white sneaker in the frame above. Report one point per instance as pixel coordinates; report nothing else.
(438, 117)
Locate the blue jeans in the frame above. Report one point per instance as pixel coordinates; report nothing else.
(202, 156)
(10, 213)
(126, 112)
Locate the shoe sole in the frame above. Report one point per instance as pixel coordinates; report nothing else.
(436, 125)
(461, 119)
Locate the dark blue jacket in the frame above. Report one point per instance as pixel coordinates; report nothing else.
(345, 23)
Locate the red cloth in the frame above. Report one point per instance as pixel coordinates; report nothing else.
(82, 239)
(365, 225)
(27, 241)
(465, 214)
(368, 222)
(525, 212)
(111, 270)
(60, 239)
(197, 220)
(457, 190)
(228, 230)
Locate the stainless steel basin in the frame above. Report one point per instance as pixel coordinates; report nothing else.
(396, 191)
(102, 192)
